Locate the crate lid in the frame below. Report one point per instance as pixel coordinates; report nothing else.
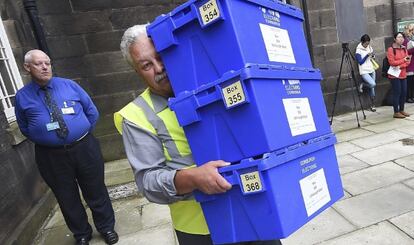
(263, 71)
(190, 6)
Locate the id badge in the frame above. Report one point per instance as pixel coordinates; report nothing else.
(68, 110)
(52, 126)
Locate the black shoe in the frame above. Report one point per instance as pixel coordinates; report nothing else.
(83, 241)
(111, 237)
(410, 100)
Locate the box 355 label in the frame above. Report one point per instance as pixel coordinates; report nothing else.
(233, 94)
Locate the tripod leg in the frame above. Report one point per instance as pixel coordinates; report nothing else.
(349, 63)
(337, 88)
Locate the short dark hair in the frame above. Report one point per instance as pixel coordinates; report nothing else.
(365, 38)
(396, 34)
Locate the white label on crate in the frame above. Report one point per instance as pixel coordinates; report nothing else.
(233, 94)
(251, 182)
(209, 11)
(315, 191)
(299, 115)
(278, 45)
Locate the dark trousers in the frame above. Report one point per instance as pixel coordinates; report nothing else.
(192, 239)
(410, 87)
(65, 170)
(399, 91)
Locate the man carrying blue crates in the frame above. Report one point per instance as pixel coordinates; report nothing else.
(157, 148)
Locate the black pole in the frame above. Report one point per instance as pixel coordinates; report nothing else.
(307, 29)
(31, 9)
(393, 20)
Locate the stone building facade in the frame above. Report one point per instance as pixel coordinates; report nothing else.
(83, 39)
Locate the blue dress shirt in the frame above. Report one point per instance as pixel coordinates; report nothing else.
(33, 115)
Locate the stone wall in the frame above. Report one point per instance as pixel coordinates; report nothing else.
(21, 185)
(327, 49)
(83, 38)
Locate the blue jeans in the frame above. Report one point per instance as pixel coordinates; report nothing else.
(370, 82)
(399, 91)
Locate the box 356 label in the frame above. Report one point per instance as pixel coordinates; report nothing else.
(233, 94)
(251, 182)
(209, 12)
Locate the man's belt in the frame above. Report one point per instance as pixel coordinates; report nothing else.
(68, 146)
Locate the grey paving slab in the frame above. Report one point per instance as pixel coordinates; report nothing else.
(118, 172)
(128, 216)
(376, 206)
(348, 163)
(381, 234)
(379, 117)
(407, 162)
(405, 222)
(56, 219)
(327, 225)
(379, 139)
(352, 134)
(346, 148)
(161, 235)
(407, 130)
(346, 195)
(338, 126)
(375, 177)
(347, 117)
(410, 183)
(384, 153)
(387, 110)
(389, 125)
(56, 235)
(154, 215)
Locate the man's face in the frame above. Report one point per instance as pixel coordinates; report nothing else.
(149, 66)
(39, 68)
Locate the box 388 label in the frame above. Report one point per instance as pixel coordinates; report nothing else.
(251, 182)
(209, 11)
(233, 94)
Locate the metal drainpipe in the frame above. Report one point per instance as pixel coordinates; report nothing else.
(394, 26)
(307, 29)
(31, 9)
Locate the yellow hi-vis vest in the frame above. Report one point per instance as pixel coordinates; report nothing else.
(186, 215)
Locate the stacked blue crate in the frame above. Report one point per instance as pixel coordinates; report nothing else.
(199, 41)
(256, 110)
(246, 92)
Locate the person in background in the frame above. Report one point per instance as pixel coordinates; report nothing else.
(409, 44)
(157, 148)
(364, 55)
(59, 116)
(399, 60)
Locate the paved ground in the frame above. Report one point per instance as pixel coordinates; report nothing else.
(377, 167)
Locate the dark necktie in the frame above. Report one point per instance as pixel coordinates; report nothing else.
(56, 115)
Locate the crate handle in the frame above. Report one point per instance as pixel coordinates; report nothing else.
(209, 98)
(232, 179)
(186, 15)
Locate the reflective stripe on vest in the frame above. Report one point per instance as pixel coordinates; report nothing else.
(151, 113)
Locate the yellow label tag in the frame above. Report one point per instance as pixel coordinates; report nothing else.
(251, 182)
(233, 94)
(209, 12)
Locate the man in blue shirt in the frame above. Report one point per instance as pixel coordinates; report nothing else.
(59, 116)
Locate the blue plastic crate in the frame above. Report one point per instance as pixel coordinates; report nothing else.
(252, 111)
(197, 49)
(274, 196)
